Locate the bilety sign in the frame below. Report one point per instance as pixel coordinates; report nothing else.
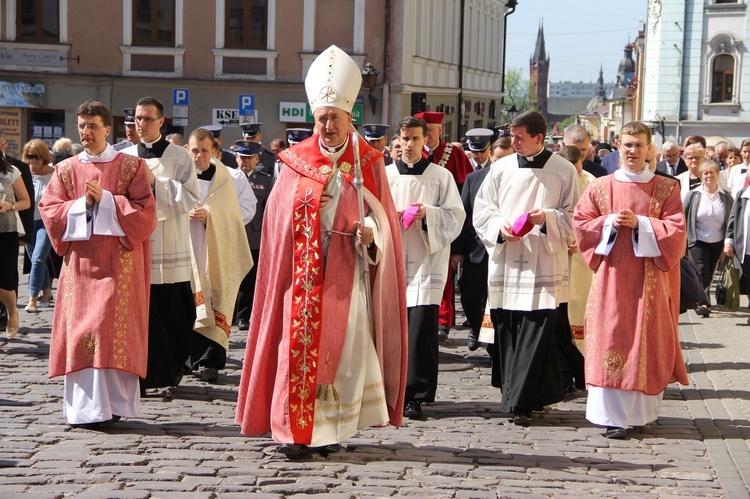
(20, 94)
(299, 112)
(10, 124)
(225, 117)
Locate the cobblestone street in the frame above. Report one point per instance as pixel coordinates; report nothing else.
(186, 443)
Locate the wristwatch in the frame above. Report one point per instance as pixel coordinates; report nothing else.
(12, 206)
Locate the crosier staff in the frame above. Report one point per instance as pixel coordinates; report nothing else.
(358, 183)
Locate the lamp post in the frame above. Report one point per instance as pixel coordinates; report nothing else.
(370, 80)
(512, 111)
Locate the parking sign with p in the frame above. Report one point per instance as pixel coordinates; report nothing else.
(247, 105)
(180, 96)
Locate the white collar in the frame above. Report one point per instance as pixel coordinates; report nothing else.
(531, 158)
(107, 155)
(640, 177)
(149, 145)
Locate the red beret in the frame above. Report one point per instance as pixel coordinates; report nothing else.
(431, 117)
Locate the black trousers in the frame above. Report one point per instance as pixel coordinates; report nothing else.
(206, 352)
(706, 256)
(422, 374)
(170, 331)
(244, 306)
(570, 358)
(524, 361)
(473, 284)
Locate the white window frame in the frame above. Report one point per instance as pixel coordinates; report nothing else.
(722, 44)
(269, 54)
(128, 49)
(63, 46)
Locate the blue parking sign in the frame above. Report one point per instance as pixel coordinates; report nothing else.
(246, 105)
(180, 96)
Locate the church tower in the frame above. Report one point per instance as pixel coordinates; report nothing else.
(539, 74)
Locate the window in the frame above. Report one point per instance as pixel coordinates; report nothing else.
(245, 24)
(722, 79)
(38, 20)
(154, 23)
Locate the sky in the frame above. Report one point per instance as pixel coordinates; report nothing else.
(580, 36)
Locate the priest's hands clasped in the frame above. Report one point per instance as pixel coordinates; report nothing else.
(626, 218)
(199, 213)
(93, 192)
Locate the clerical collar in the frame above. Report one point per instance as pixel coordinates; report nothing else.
(536, 161)
(152, 149)
(418, 168)
(107, 155)
(334, 153)
(208, 173)
(640, 177)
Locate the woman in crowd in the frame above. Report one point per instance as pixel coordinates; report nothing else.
(738, 174)
(13, 197)
(39, 158)
(707, 210)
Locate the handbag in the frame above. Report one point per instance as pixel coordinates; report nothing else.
(731, 284)
(720, 293)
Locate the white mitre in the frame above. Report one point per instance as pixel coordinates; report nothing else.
(333, 80)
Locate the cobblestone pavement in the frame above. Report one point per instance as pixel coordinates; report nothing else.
(186, 443)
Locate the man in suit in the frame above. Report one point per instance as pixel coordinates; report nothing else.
(577, 136)
(468, 249)
(671, 162)
(611, 162)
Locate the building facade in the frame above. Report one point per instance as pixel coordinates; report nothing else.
(696, 75)
(231, 61)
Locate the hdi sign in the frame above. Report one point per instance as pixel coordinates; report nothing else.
(292, 112)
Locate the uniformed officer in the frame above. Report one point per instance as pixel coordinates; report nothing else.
(223, 155)
(130, 132)
(479, 140)
(261, 182)
(251, 132)
(293, 136)
(377, 137)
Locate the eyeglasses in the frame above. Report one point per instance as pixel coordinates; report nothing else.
(91, 126)
(147, 119)
(32, 156)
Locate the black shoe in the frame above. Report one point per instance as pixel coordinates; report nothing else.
(294, 451)
(466, 323)
(473, 342)
(615, 432)
(243, 325)
(210, 374)
(703, 311)
(326, 449)
(443, 333)
(522, 418)
(413, 409)
(177, 379)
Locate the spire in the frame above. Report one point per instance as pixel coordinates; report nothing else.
(540, 53)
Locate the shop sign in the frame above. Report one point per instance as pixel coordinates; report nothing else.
(10, 124)
(20, 94)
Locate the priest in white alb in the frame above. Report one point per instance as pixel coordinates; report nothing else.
(522, 214)
(432, 214)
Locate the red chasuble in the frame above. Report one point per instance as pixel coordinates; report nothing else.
(296, 336)
(101, 315)
(631, 334)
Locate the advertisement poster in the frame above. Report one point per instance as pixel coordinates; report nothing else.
(10, 123)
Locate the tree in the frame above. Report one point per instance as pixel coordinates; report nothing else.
(517, 93)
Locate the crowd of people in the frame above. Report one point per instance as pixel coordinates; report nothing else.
(568, 262)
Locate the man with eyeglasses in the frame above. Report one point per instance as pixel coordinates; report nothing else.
(171, 173)
(99, 212)
(443, 153)
(630, 229)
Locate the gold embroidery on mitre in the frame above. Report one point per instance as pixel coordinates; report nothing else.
(614, 362)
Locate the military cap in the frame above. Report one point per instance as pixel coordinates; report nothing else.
(248, 147)
(375, 131)
(479, 138)
(250, 129)
(129, 113)
(296, 135)
(214, 129)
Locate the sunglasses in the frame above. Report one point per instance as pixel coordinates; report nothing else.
(32, 156)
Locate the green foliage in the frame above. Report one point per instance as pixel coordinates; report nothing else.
(517, 93)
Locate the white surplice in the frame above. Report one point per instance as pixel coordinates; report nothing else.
(427, 252)
(527, 274)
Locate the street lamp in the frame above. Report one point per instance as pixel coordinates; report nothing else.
(369, 80)
(512, 111)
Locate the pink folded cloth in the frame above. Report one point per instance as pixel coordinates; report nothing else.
(408, 217)
(522, 226)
